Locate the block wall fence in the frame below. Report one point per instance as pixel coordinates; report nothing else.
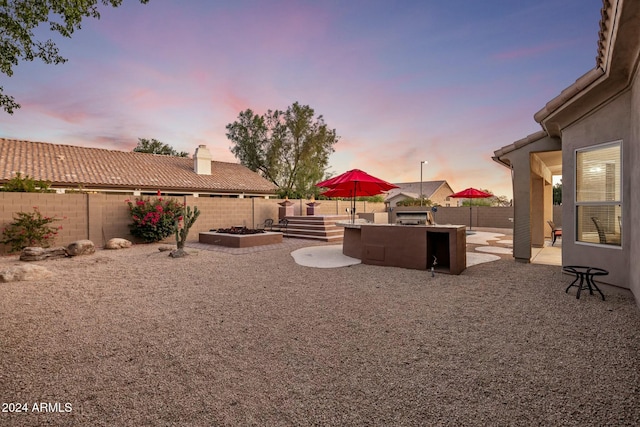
(100, 217)
(481, 216)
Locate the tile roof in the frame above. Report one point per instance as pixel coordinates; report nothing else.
(605, 34)
(67, 165)
(605, 40)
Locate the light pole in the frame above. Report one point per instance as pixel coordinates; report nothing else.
(423, 162)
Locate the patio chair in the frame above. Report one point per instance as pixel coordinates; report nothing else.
(601, 235)
(266, 225)
(281, 226)
(610, 239)
(555, 231)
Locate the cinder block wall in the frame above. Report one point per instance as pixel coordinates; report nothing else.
(264, 209)
(269, 208)
(330, 207)
(481, 216)
(70, 210)
(108, 217)
(220, 212)
(338, 207)
(100, 217)
(494, 217)
(557, 215)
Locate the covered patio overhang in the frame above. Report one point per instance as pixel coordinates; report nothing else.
(533, 161)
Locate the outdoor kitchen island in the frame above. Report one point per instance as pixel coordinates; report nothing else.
(407, 246)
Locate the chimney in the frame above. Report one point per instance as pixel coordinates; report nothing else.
(202, 160)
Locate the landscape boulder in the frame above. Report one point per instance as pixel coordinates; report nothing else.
(24, 272)
(118, 243)
(178, 253)
(81, 247)
(36, 253)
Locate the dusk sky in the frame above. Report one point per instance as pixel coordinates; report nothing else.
(401, 81)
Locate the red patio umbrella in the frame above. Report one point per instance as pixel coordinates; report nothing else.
(352, 184)
(471, 193)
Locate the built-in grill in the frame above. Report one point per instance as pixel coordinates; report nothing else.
(413, 217)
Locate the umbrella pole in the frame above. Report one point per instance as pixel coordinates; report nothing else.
(470, 216)
(353, 206)
(353, 210)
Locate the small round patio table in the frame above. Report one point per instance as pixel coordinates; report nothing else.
(585, 275)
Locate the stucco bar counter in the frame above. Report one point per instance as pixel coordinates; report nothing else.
(408, 246)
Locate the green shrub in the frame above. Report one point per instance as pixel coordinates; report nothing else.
(29, 229)
(26, 184)
(153, 220)
(410, 201)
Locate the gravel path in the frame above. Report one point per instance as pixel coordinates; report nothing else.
(133, 338)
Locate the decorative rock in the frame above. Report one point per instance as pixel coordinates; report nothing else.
(178, 253)
(166, 248)
(34, 253)
(118, 243)
(81, 247)
(24, 272)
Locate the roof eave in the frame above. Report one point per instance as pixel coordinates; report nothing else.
(570, 94)
(617, 61)
(126, 187)
(519, 143)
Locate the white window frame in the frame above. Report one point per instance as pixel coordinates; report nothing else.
(614, 203)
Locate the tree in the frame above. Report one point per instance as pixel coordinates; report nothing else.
(499, 201)
(18, 20)
(477, 202)
(154, 146)
(289, 148)
(557, 193)
(417, 201)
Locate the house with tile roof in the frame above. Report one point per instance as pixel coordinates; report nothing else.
(72, 168)
(436, 191)
(591, 137)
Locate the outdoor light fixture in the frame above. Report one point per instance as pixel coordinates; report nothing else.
(423, 162)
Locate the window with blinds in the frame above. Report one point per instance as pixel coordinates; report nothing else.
(599, 194)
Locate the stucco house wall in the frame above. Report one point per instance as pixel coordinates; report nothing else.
(607, 124)
(602, 106)
(631, 155)
(436, 191)
(442, 194)
(395, 199)
(525, 178)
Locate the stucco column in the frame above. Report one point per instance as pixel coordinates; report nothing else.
(529, 177)
(537, 215)
(521, 206)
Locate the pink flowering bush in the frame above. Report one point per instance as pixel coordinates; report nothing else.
(29, 229)
(153, 219)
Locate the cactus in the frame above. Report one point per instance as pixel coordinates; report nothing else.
(189, 218)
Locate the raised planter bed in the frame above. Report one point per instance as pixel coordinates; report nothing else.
(240, 240)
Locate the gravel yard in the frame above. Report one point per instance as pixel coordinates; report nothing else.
(133, 337)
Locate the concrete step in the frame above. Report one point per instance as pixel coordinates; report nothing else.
(314, 220)
(336, 239)
(321, 228)
(315, 229)
(330, 234)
